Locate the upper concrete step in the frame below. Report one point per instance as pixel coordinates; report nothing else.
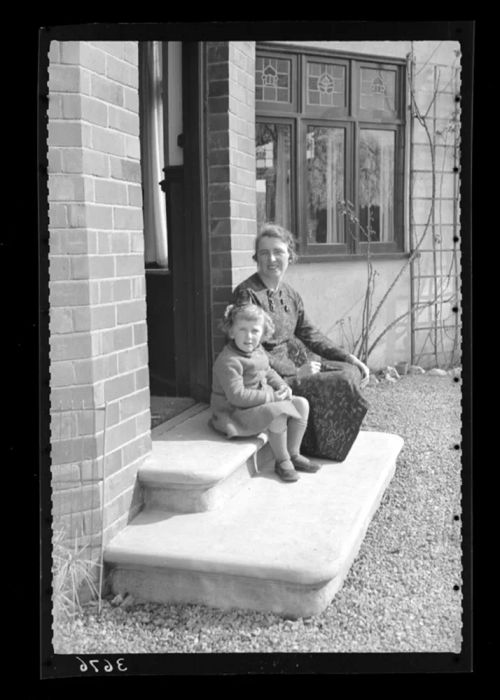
(274, 546)
(192, 468)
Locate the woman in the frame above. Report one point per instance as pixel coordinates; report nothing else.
(332, 385)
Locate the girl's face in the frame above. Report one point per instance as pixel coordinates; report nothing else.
(247, 333)
(272, 259)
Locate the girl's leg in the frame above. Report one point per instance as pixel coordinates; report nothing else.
(296, 430)
(277, 435)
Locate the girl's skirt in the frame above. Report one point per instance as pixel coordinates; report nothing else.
(244, 422)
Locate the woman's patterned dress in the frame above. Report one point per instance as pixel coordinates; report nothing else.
(337, 405)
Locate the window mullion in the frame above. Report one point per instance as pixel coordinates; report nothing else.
(353, 180)
(354, 229)
(299, 184)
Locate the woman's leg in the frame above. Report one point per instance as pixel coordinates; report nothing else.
(297, 427)
(337, 410)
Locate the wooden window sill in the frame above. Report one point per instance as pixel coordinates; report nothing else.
(345, 257)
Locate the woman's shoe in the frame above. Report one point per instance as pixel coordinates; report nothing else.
(302, 464)
(285, 471)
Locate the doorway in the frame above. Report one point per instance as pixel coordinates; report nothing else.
(176, 254)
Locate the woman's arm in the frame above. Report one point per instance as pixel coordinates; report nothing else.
(285, 368)
(314, 339)
(365, 372)
(230, 376)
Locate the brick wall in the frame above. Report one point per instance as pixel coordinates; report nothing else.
(98, 350)
(231, 169)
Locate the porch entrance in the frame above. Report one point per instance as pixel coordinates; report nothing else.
(177, 284)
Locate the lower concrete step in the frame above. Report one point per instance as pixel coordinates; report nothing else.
(191, 468)
(274, 546)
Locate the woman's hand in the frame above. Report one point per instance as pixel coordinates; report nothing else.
(308, 369)
(365, 372)
(283, 393)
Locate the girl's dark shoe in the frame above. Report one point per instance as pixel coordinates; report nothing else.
(285, 471)
(302, 464)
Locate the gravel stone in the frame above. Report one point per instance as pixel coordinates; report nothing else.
(398, 595)
(416, 369)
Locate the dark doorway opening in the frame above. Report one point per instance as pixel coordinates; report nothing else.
(177, 291)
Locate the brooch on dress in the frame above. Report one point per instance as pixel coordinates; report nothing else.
(285, 307)
(270, 299)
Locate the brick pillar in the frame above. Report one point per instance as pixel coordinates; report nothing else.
(98, 339)
(231, 169)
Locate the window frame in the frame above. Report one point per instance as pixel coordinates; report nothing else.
(352, 119)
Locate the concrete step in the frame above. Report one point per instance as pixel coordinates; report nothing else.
(204, 476)
(274, 546)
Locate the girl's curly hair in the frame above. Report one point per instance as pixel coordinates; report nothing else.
(249, 312)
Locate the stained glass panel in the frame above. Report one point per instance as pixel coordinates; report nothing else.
(376, 184)
(325, 84)
(273, 79)
(377, 90)
(325, 156)
(273, 162)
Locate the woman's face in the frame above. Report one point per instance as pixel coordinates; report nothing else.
(272, 259)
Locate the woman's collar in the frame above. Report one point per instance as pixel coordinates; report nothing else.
(269, 289)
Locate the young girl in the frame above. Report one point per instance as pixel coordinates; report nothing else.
(249, 397)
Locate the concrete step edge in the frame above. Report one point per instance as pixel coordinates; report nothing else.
(120, 555)
(165, 466)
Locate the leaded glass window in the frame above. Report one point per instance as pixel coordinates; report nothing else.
(330, 156)
(325, 84)
(272, 80)
(377, 90)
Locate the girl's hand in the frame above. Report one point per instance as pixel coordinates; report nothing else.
(365, 372)
(308, 369)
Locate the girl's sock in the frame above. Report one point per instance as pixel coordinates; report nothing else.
(277, 443)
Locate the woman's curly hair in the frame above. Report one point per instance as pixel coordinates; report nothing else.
(249, 312)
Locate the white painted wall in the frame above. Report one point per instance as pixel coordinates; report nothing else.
(335, 291)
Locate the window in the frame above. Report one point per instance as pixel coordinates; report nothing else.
(330, 135)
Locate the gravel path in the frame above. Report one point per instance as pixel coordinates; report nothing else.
(399, 594)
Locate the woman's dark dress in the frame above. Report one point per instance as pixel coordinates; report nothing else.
(337, 405)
